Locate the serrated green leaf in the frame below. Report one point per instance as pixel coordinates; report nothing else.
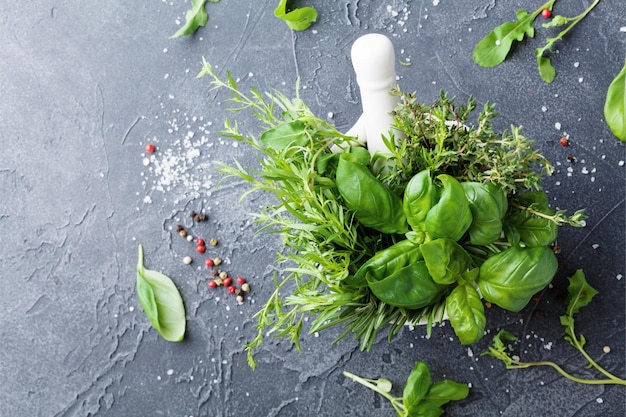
(493, 49)
(579, 293)
(615, 105)
(417, 385)
(297, 19)
(195, 18)
(161, 302)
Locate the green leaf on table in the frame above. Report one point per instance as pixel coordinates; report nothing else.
(195, 18)
(579, 293)
(615, 105)
(493, 49)
(442, 392)
(417, 386)
(161, 302)
(297, 19)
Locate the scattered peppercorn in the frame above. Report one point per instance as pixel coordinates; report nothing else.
(192, 214)
(212, 284)
(223, 274)
(183, 233)
(213, 242)
(200, 242)
(150, 148)
(187, 260)
(217, 261)
(228, 281)
(189, 238)
(240, 299)
(200, 249)
(208, 262)
(215, 272)
(606, 349)
(241, 281)
(196, 218)
(564, 141)
(179, 227)
(245, 287)
(571, 158)
(202, 217)
(231, 289)
(546, 13)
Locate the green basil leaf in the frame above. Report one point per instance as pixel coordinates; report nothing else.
(531, 229)
(510, 278)
(493, 48)
(488, 204)
(195, 18)
(615, 105)
(420, 195)
(579, 293)
(161, 302)
(408, 287)
(451, 216)
(466, 313)
(285, 135)
(417, 385)
(425, 409)
(446, 260)
(442, 392)
(387, 261)
(297, 19)
(373, 204)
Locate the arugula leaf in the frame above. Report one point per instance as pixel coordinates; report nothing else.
(579, 293)
(546, 69)
(615, 105)
(297, 19)
(195, 18)
(161, 302)
(493, 49)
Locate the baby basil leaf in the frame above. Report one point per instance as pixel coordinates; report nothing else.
(285, 135)
(387, 261)
(510, 278)
(494, 47)
(451, 216)
(442, 392)
(419, 196)
(195, 18)
(467, 314)
(374, 205)
(532, 229)
(615, 105)
(425, 409)
(488, 204)
(297, 19)
(161, 302)
(446, 260)
(408, 287)
(416, 386)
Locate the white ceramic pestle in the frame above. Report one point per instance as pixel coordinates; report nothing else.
(373, 59)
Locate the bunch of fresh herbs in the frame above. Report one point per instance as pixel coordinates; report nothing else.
(324, 243)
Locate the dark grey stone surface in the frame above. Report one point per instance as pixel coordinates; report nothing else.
(85, 85)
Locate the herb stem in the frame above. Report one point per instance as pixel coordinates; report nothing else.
(612, 380)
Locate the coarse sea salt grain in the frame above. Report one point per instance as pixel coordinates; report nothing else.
(557, 126)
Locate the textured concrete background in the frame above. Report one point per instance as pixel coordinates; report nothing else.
(85, 85)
